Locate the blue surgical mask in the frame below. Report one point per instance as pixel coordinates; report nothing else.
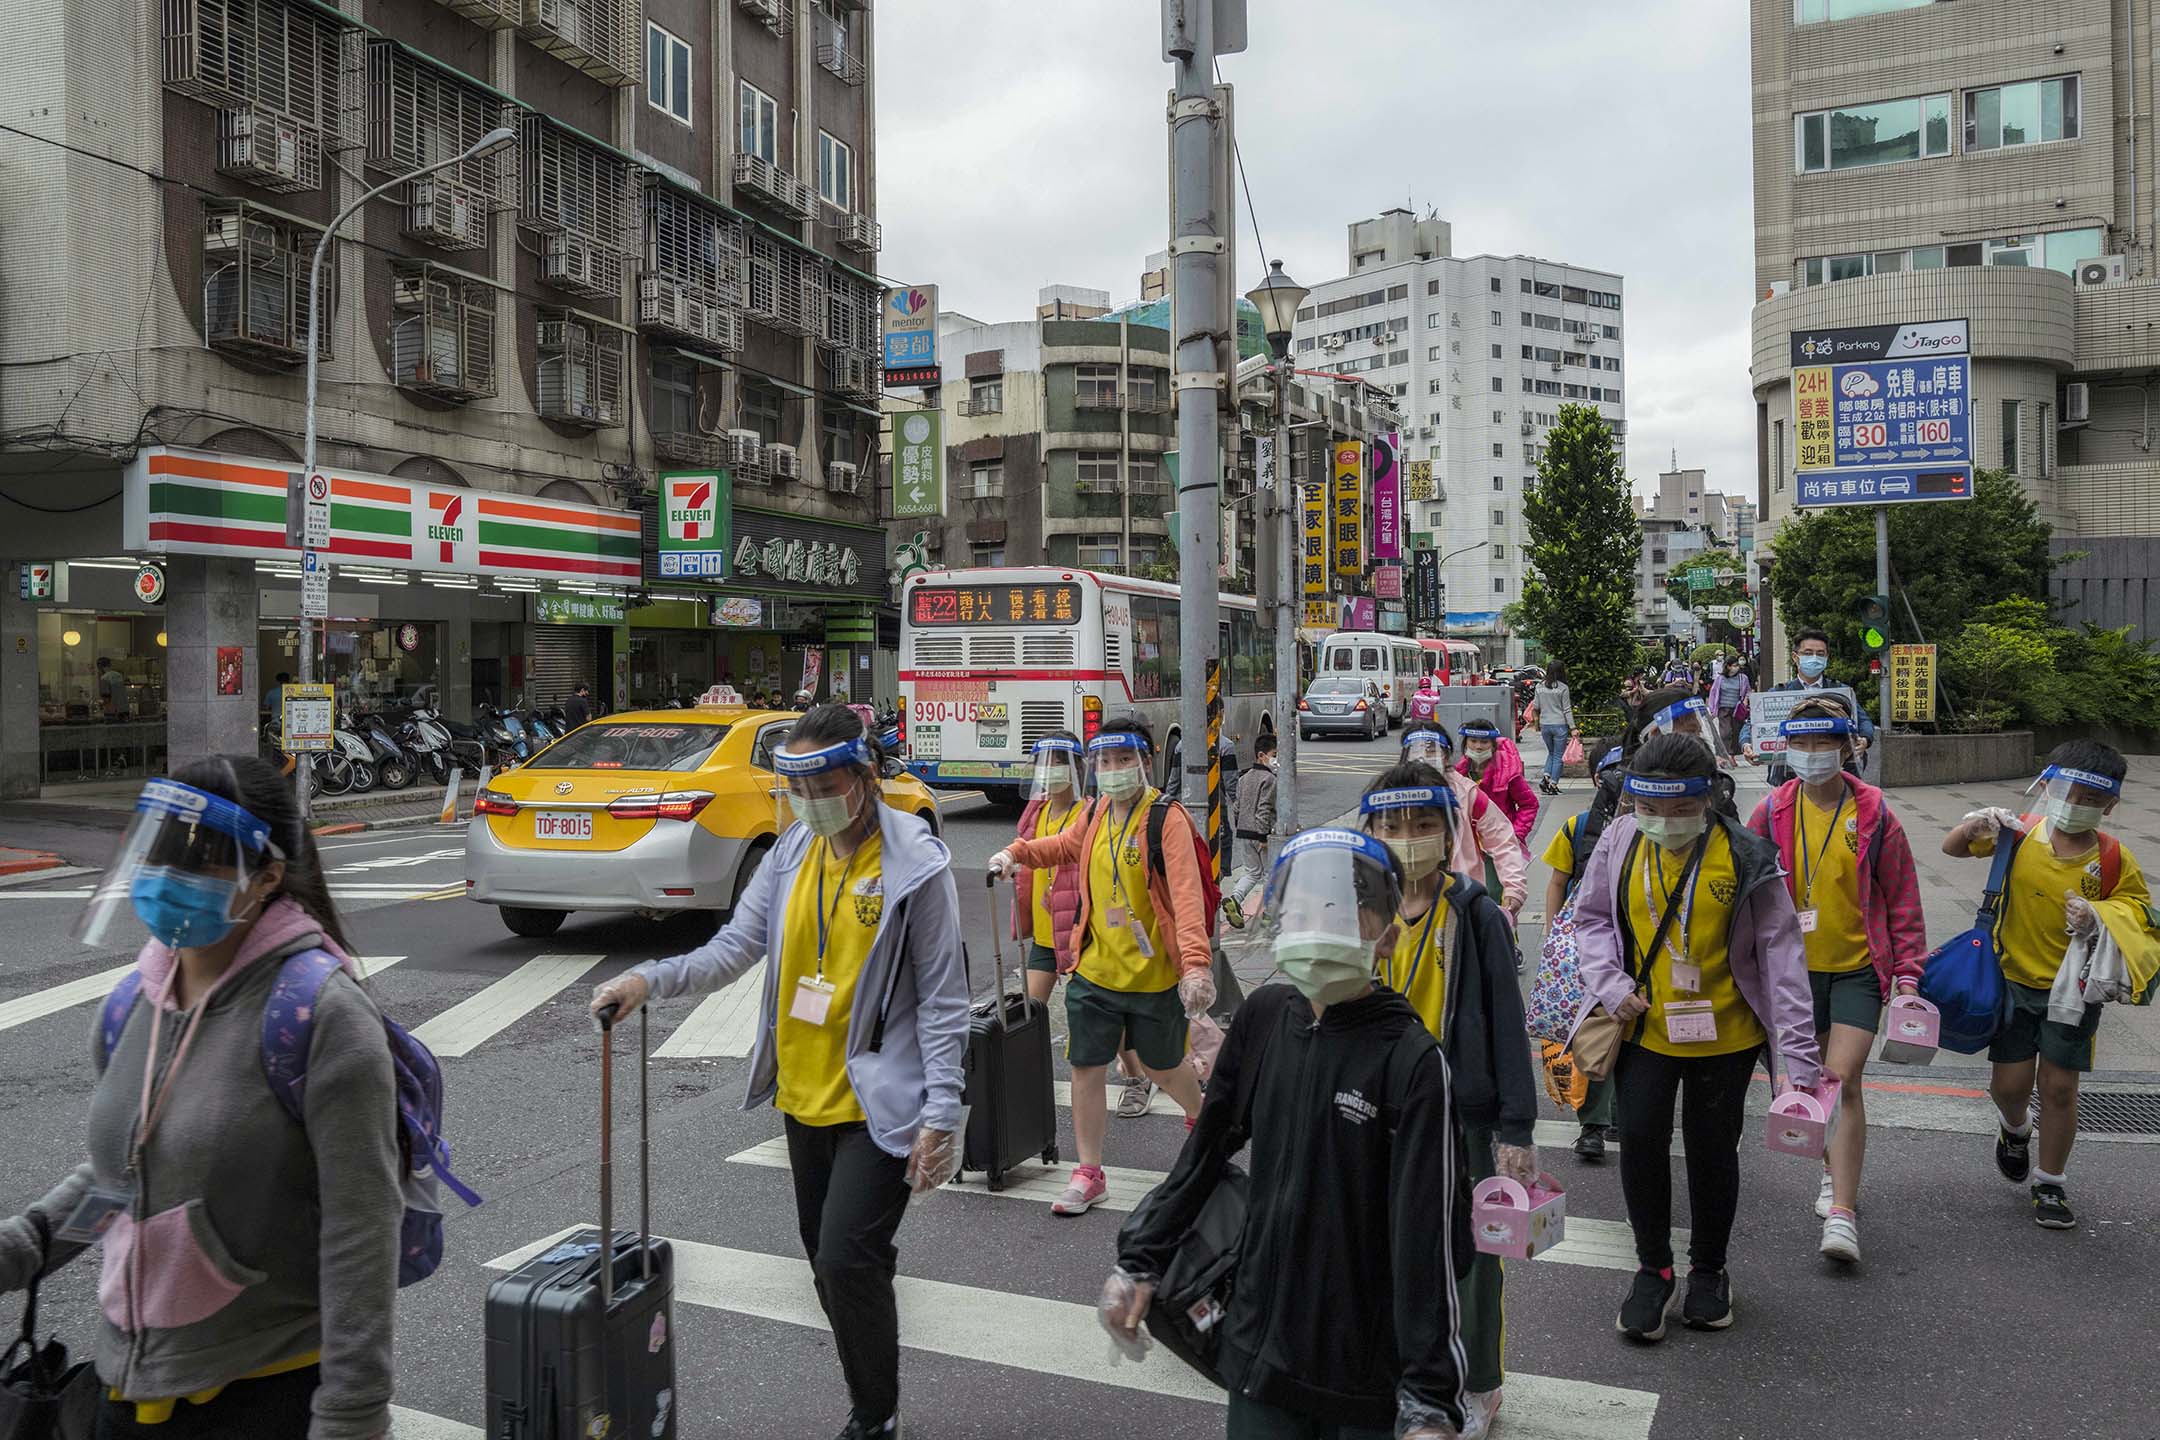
(183, 910)
(1813, 666)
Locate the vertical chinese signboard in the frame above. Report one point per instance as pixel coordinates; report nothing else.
(1386, 498)
(1912, 684)
(1882, 414)
(1348, 510)
(1418, 480)
(1425, 593)
(1313, 559)
(918, 464)
(911, 316)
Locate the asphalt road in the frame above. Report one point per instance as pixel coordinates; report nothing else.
(1966, 1319)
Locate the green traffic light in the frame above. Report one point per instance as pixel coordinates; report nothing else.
(1874, 638)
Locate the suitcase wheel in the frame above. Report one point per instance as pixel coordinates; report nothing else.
(995, 1179)
(1050, 1154)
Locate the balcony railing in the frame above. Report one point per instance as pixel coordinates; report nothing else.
(976, 406)
(842, 61)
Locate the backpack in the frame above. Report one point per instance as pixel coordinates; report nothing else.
(288, 1029)
(2110, 854)
(1203, 856)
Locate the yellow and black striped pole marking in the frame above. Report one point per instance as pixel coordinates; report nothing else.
(1214, 764)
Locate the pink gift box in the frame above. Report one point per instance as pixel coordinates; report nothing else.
(1518, 1223)
(1912, 1031)
(1802, 1121)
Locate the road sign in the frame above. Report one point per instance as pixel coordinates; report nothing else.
(309, 718)
(1742, 615)
(1912, 683)
(314, 586)
(1702, 578)
(315, 516)
(1884, 486)
(1717, 612)
(1882, 414)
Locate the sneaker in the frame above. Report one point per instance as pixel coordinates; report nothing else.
(1823, 1197)
(863, 1430)
(1132, 1100)
(1709, 1300)
(1590, 1145)
(1083, 1193)
(1642, 1314)
(2013, 1155)
(1484, 1405)
(1841, 1237)
(1233, 912)
(2051, 1208)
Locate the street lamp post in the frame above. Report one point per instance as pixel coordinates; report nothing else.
(493, 143)
(1277, 298)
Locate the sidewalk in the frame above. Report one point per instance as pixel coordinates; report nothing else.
(82, 824)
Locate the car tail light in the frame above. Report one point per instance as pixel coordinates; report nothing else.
(675, 805)
(903, 728)
(1090, 716)
(1303, 705)
(1361, 705)
(494, 802)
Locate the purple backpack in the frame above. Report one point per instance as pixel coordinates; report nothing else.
(288, 1029)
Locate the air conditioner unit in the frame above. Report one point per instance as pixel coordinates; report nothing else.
(445, 216)
(842, 478)
(268, 151)
(1332, 344)
(2077, 403)
(860, 232)
(2103, 270)
(784, 463)
(746, 455)
(660, 302)
(555, 334)
(567, 262)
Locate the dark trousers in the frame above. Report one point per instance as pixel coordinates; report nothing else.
(1251, 1420)
(272, 1408)
(849, 1197)
(1713, 1091)
(1478, 1293)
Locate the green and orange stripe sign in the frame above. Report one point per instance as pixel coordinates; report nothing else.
(189, 503)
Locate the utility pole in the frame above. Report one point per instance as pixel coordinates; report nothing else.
(1882, 587)
(1289, 600)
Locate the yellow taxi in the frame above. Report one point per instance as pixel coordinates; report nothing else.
(649, 811)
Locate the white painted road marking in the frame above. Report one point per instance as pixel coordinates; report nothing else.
(418, 1425)
(724, 1023)
(466, 1025)
(1059, 1337)
(40, 1003)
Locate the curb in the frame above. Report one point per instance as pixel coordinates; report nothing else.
(29, 861)
(349, 827)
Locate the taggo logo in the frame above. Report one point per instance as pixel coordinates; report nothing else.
(909, 302)
(693, 509)
(1857, 385)
(452, 528)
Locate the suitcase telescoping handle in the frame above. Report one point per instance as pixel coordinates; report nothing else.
(608, 1015)
(997, 959)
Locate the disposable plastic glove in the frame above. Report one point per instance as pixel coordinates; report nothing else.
(1998, 818)
(1124, 1304)
(1518, 1163)
(2079, 917)
(1196, 991)
(1001, 864)
(934, 1159)
(1416, 1420)
(626, 992)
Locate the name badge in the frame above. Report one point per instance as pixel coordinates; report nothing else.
(813, 1000)
(1807, 922)
(1139, 935)
(94, 1214)
(1686, 977)
(1116, 915)
(1690, 1022)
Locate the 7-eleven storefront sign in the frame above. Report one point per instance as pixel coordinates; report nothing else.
(697, 529)
(185, 502)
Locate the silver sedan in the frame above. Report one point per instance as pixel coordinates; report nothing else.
(1342, 705)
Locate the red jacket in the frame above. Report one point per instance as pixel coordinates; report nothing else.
(1503, 782)
(1889, 885)
(1063, 901)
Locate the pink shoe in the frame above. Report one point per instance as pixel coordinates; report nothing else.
(1087, 1190)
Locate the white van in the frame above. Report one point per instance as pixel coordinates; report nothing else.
(1393, 662)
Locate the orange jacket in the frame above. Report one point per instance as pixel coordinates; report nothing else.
(1176, 894)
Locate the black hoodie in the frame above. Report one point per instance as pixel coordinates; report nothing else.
(1482, 1031)
(1360, 1209)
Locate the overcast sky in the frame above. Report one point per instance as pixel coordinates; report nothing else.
(1021, 143)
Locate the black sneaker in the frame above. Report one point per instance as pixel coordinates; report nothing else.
(1709, 1300)
(1642, 1314)
(2051, 1208)
(2013, 1155)
(1590, 1145)
(861, 1430)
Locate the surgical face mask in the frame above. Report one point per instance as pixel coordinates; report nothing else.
(826, 815)
(1326, 968)
(1119, 784)
(1814, 765)
(1419, 855)
(1477, 754)
(1057, 777)
(2074, 819)
(1813, 666)
(183, 910)
(1670, 832)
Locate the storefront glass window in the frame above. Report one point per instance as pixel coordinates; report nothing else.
(375, 664)
(101, 694)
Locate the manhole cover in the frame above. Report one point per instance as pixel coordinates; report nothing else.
(2119, 1112)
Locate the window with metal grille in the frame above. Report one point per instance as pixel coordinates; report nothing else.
(573, 187)
(845, 312)
(442, 333)
(599, 37)
(581, 370)
(419, 112)
(273, 55)
(697, 246)
(255, 301)
(1097, 386)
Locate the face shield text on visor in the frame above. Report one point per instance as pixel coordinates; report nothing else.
(2075, 801)
(1330, 898)
(1416, 823)
(1060, 773)
(1480, 741)
(183, 869)
(1426, 744)
(821, 788)
(1119, 761)
(1689, 717)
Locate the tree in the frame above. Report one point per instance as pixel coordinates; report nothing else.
(1728, 588)
(1949, 559)
(1579, 591)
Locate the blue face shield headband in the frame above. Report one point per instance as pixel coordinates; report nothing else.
(2091, 780)
(1410, 797)
(1054, 746)
(833, 757)
(1662, 789)
(187, 858)
(1816, 725)
(1117, 740)
(1479, 730)
(1679, 710)
(1356, 842)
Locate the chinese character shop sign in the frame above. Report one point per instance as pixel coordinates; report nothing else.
(1912, 684)
(1348, 509)
(911, 335)
(1882, 414)
(918, 463)
(1313, 561)
(695, 533)
(775, 551)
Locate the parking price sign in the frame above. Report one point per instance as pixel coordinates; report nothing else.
(1882, 414)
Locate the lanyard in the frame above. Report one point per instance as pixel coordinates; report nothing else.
(1417, 956)
(152, 1108)
(838, 897)
(1117, 858)
(1656, 906)
(1807, 870)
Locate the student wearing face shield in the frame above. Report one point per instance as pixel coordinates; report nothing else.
(1685, 934)
(856, 921)
(1496, 765)
(2071, 885)
(1454, 961)
(1345, 1323)
(1487, 847)
(1045, 901)
(1849, 870)
(1566, 855)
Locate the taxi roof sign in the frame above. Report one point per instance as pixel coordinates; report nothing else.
(720, 695)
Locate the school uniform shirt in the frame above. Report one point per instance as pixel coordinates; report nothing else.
(1826, 879)
(1417, 968)
(1047, 825)
(1117, 879)
(812, 1059)
(1703, 942)
(2031, 938)
(1560, 853)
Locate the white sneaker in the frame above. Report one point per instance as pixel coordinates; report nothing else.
(1133, 1097)
(1841, 1238)
(1824, 1197)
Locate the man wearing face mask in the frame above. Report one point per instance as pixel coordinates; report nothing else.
(1344, 1324)
(2069, 883)
(1811, 662)
(865, 1024)
(1454, 961)
(1497, 767)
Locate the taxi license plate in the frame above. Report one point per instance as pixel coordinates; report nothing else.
(562, 824)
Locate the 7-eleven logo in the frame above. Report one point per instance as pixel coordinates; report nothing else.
(693, 511)
(450, 525)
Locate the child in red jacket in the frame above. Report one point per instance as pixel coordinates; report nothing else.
(1497, 767)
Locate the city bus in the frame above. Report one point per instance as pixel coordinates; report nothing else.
(993, 658)
(1392, 662)
(1453, 662)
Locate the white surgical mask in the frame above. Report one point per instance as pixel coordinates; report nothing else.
(1326, 968)
(1477, 754)
(1813, 666)
(2074, 819)
(1419, 855)
(1671, 832)
(826, 815)
(1814, 765)
(1119, 784)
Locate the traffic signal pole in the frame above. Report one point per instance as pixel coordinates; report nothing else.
(1882, 587)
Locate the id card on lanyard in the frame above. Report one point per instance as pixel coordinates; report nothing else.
(1694, 1017)
(1417, 956)
(1120, 912)
(1808, 871)
(814, 995)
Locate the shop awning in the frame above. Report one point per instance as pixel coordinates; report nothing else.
(778, 384)
(710, 362)
(870, 410)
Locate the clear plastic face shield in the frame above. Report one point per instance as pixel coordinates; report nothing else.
(2075, 801)
(1429, 744)
(1119, 761)
(184, 869)
(1416, 824)
(1671, 813)
(1689, 717)
(1332, 899)
(1480, 742)
(1816, 746)
(1060, 772)
(828, 789)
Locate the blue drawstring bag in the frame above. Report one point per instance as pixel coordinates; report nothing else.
(1964, 977)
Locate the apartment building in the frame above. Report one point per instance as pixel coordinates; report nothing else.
(667, 265)
(1987, 160)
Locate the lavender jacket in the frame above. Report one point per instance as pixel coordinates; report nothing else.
(1764, 949)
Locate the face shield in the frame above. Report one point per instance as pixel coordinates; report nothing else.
(1331, 898)
(824, 789)
(1428, 744)
(1671, 813)
(1816, 746)
(2075, 801)
(1480, 741)
(1689, 717)
(1606, 762)
(1060, 772)
(1417, 824)
(1119, 761)
(183, 869)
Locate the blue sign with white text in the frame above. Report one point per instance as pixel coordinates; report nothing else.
(1884, 485)
(1902, 412)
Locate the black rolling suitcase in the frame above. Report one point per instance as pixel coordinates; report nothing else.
(575, 1348)
(1012, 1104)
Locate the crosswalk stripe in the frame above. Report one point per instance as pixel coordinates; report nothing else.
(466, 1025)
(1599, 1244)
(724, 1023)
(419, 1425)
(1059, 1337)
(40, 1003)
(1158, 1103)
